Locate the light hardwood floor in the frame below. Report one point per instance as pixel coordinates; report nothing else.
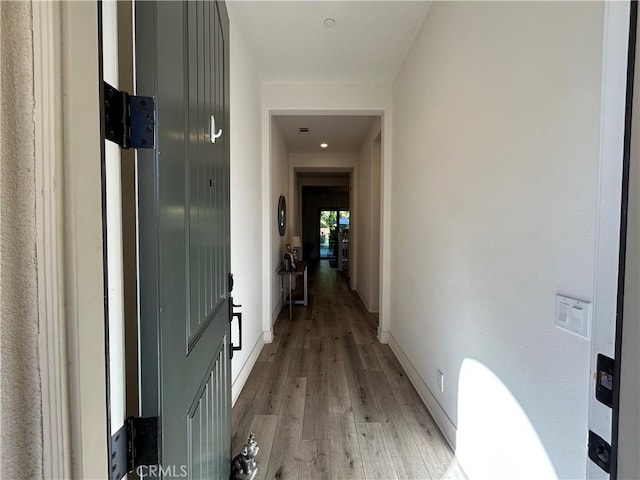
(326, 400)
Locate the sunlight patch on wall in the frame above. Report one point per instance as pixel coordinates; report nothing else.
(495, 439)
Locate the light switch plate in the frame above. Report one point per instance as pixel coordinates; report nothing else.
(573, 315)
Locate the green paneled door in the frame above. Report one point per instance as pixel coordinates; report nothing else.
(182, 60)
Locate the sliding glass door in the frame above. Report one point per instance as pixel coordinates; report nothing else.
(333, 225)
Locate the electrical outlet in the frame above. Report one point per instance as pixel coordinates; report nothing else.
(440, 380)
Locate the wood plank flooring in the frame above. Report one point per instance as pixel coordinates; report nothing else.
(326, 400)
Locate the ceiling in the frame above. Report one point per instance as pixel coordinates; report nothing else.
(343, 134)
(368, 43)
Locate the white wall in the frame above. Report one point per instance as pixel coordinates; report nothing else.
(246, 204)
(279, 178)
(376, 222)
(367, 244)
(494, 191)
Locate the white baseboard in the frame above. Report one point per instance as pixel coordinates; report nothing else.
(383, 337)
(439, 415)
(267, 336)
(243, 375)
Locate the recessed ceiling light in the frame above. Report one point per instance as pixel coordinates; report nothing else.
(324, 145)
(329, 22)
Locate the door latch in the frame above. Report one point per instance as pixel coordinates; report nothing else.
(604, 379)
(600, 451)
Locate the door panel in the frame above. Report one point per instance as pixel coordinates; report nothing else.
(184, 235)
(208, 195)
(207, 412)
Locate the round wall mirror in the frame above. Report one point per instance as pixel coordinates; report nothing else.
(282, 216)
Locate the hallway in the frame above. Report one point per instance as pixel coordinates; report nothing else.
(328, 401)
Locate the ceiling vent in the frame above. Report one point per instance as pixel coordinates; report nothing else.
(303, 130)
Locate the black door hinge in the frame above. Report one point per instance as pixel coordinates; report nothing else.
(129, 120)
(135, 444)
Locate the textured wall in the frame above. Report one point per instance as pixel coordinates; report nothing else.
(20, 404)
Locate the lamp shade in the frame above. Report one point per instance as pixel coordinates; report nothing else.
(296, 242)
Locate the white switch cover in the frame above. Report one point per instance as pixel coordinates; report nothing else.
(573, 315)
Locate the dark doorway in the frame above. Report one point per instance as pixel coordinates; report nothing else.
(314, 200)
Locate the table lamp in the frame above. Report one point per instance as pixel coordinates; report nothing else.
(296, 244)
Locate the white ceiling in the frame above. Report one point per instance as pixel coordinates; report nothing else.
(344, 134)
(368, 43)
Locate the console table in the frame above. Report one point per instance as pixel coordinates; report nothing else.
(300, 270)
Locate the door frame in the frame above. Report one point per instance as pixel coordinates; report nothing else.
(47, 37)
(626, 163)
(69, 214)
(607, 248)
(78, 418)
(338, 100)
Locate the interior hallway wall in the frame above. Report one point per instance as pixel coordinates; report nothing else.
(494, 195)
(246, 203)
(368, 243)
(20, 396)
(279, 186)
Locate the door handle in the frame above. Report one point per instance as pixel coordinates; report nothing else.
(237, 315)
(213, 134)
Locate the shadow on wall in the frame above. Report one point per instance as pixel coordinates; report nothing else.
(495, 438)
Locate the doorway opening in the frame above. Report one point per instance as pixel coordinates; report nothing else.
(333, 230)
(345, 176)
